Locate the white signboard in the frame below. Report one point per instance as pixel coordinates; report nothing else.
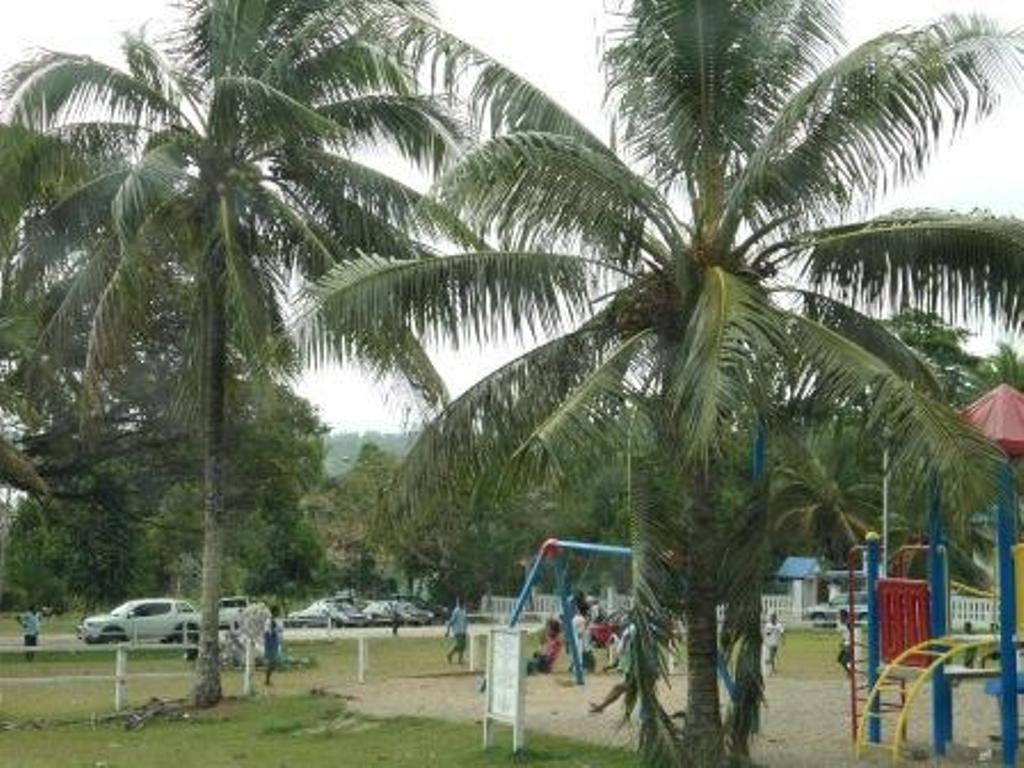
(506, 685)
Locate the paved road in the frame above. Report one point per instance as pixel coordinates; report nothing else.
(292, 634)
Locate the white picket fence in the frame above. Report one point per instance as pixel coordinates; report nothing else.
(980, 612)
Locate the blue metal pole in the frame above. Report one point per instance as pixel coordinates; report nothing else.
(594, 549)
(874, 636)
(565, 592)
(1006, 536)
(758, 458)
(524, 594)
(941, 695)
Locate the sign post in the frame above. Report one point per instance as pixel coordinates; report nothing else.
(506, 686)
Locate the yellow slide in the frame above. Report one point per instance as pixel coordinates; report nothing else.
(906, 682)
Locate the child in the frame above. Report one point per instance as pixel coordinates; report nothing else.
(845, 656)
(773, 632)
(272, 644)
(544, 659)
(971, 654)
(625, 665)
(29, 622)
(581, 629)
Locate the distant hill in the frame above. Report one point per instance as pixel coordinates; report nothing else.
(343, 447)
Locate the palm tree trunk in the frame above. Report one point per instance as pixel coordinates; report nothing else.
(207, 689)
(704, 734)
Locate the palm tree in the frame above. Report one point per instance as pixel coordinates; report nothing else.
(827, 488)
(663, 271)
(224, 159)
(1006, 366)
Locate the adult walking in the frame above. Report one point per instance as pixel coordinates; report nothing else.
(458, 627)
(272, 644)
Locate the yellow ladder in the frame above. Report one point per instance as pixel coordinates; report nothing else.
(893, 678)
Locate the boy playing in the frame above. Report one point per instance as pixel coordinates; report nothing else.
(773, 632)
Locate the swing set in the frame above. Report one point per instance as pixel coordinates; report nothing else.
(554, 553)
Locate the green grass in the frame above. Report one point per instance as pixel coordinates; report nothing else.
(328, 664)
(58, 625)
(296, 730)
(809, 655)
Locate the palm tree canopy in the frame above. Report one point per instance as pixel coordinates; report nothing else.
(745, 137)
(244, 132)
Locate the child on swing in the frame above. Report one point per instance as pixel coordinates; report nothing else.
(544, 659)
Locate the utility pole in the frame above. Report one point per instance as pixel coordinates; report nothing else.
(884, 565)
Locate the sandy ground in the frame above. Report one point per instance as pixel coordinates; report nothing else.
(805, 723)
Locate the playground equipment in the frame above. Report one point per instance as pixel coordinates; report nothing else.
(553, 552)
(909, 642)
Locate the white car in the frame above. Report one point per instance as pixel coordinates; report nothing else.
(163, 619)
(828, 613)
(326, 612)
(230, 611)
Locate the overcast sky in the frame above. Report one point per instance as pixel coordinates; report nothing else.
(555, 44)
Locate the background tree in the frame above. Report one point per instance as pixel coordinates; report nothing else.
(942, 345)
(224, 157)
(745, 132)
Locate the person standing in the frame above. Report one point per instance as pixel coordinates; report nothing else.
(845, 656)
(396, 618)
(29, 622)
(272, 644)
(626, 665)
(581, 630)
(458, 626)
(773, 632)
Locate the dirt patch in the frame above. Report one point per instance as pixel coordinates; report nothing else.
(805, 723)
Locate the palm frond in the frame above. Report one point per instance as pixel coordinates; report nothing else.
(925, 436)
(544, 190)
(872, 336)
(419, 127)
(968, 266)
(54, 88)
(329, 179)
(480, 430)
(697, 81)
(591, 420)
(875, 117)
(499, 100)
(731, 323)
(488, 296)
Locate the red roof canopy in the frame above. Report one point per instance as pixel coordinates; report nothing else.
(999, 416)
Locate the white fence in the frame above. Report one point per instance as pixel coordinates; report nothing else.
(120, 677)
(980, 612)
(499, 609)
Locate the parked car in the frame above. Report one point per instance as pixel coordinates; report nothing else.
(409, 613)
(230, 611)
(828, 613)
(346, 614)
(326, 612)
(440, 612)
(153, 619)
(379, 611)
